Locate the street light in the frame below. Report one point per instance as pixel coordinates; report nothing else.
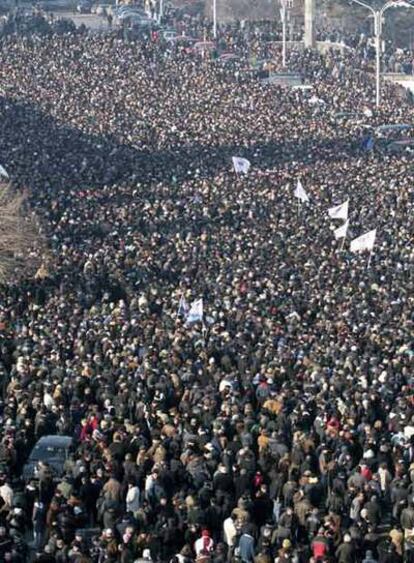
(215, 19)
(378, 15)
(284, 7)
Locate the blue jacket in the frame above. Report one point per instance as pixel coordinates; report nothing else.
(246, 548)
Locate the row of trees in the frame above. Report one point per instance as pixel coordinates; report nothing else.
(20, 241)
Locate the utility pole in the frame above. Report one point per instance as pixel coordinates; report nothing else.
(309, 24)
(283, 17)
(378, 17)
(215, 19)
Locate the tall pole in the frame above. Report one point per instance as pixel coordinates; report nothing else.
(378, 14)
(309, 24)
(161, 11)
(377, 20)
(215, 19)
(283, 14)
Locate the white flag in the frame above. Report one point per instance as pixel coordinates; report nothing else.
(300, 192)
(183, 307)
(195, 313)
(339, 211)
(341, 231)
(364, 242)
(3, 172)
(241, 165)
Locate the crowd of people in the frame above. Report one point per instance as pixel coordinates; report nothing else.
(281, 428)
(34, 22)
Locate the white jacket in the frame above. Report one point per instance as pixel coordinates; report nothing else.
(133, 499)
(229, 531)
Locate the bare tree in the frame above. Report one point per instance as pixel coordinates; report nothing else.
(19, 235)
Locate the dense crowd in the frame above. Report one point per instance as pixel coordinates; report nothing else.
(34, 22)
(279, 429)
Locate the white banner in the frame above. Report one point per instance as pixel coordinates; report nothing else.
(339, 211)
(364, 242)
(300, 193)
(241, 165)
(341, 231)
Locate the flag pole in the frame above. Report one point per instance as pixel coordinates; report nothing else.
(178, 308)
(343, 244)
(369, 259)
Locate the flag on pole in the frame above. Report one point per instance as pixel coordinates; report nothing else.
(183, 307)
(3, 172)
(369, 145)
(339, 211)
(364, 242)
(241, 165)
(341, 231)
(195, 313)
(300, 193)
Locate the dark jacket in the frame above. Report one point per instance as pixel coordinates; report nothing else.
(345, 553)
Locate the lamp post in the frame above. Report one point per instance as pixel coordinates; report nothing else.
(284, 6)
(378, 16)
(283, 10)
(215, 19)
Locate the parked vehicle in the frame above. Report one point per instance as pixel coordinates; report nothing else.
(169, 34)
(53, 450)
(204, 46)
(121, 11)
(404, 146)
(128, 14)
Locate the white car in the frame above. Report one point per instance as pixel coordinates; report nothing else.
(169, 34)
